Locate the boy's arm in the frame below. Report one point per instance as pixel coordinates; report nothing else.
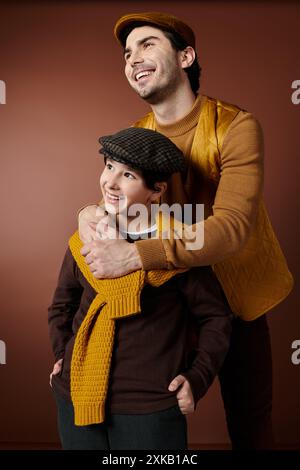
(65, 303)
(208, 305)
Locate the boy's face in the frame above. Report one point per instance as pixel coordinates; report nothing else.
(122, 186)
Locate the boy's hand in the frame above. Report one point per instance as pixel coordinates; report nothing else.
(56, 369)
(184, 396)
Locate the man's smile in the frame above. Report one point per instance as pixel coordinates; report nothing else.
(139, 74)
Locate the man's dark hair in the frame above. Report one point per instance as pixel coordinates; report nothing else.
(178, 43)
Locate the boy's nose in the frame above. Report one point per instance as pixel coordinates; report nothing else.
(112, 182)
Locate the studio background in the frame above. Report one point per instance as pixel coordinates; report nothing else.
(65, 87)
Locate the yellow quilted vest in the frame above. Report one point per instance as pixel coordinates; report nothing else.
(257, 278)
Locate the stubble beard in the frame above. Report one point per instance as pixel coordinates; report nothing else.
(158, 94)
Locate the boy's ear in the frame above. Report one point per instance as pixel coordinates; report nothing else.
(160, 188)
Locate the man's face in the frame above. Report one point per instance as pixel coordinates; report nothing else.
(121, 187)
(152, 65)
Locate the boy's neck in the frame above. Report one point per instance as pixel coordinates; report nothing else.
(141, 226)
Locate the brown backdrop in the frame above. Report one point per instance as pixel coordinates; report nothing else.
(65, 88)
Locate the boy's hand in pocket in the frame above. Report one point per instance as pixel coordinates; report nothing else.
(184, 396)
(56, 369)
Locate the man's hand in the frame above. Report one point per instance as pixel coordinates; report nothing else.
(56, 369)
(108, 258)
(88, 218)
(184, 396)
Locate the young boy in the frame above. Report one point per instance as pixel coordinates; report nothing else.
(124, 376)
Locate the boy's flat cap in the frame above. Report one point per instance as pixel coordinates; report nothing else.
(160, 20)
(144, 150)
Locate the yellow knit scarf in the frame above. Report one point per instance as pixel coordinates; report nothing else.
(91, 359)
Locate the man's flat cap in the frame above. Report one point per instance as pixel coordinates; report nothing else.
(145, 150)
(156, 19)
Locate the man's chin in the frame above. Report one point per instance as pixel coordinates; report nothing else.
(143, 92)
(150, 97)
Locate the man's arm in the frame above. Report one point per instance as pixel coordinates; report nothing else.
(208, 305)
(225, 232)
(235, 206)
(65, 303)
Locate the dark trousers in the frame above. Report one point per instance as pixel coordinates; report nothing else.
(246, 385)
(161, 430)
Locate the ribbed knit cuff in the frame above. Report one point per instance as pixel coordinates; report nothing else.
(152, 254)
(86, 414)
(124, 306)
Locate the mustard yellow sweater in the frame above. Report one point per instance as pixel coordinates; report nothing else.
(223, 146)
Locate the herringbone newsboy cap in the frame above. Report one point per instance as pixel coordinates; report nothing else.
(144, 150)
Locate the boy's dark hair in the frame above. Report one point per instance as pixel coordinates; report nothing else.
(149, 177)
(178, 43)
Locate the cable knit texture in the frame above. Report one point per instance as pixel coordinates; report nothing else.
(115, 298)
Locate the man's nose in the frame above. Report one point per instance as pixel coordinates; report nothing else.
(135, 57)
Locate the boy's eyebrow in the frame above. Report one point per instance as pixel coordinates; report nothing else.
(134, 170)
(140, 42)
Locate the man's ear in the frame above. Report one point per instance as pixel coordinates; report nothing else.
(187, 56)
(160, 188)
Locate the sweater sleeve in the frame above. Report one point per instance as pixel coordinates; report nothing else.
(65, 303)
(209, 307)
(234, 209)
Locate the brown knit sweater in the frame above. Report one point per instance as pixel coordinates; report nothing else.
(152, 348)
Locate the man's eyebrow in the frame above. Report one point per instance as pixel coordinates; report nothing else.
(140, 42)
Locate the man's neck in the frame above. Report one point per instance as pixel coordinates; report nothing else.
(174, 107)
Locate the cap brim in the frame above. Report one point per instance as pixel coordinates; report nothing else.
(119, 159)
(126, 20)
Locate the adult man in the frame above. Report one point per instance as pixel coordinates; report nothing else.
(224, 150)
